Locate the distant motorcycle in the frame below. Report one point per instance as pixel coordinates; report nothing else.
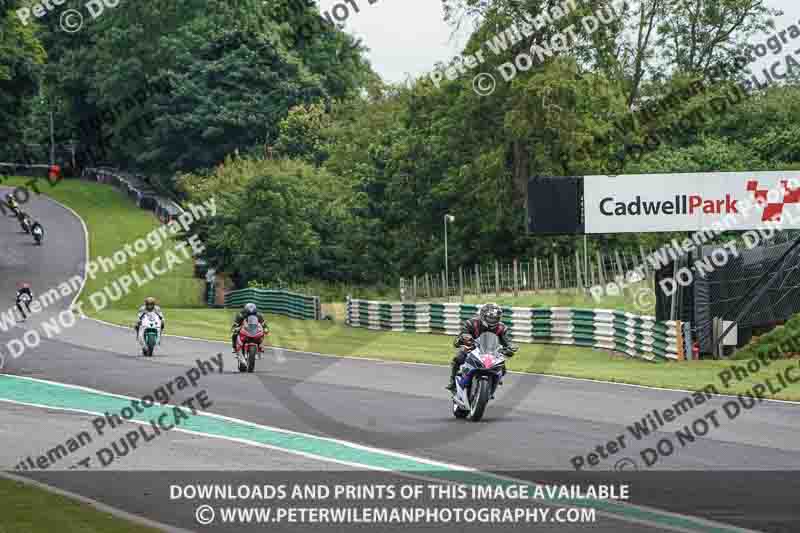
(248, 343)
(38, 234)
(25, 299)
(477, 379)
(150, 333)
(25, 222)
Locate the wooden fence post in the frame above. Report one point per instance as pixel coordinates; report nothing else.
(600, 273)
(555, 271)
(528, 281)
(496, 278)
(645, 268)
(619, 264)
(515, 277)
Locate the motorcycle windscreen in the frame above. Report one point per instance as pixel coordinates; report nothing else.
(251, 326)
(488, 342)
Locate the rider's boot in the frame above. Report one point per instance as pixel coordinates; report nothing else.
(453, 370)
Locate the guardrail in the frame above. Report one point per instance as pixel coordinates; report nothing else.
(635, 335)
(138, 190)
(279, 302)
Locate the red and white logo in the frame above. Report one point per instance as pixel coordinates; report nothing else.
(773, 207)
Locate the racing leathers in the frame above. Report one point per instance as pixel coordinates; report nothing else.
(20, 293)
(37, 225)
(12, 204)
(143, 310)
(470, 330)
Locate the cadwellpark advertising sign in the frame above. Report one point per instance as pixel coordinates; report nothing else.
(721, 201)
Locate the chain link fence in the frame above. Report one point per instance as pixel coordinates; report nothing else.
(758, 283)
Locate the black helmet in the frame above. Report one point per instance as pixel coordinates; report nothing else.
(250, 308)
(490, 315)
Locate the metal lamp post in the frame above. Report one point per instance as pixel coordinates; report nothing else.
(447, 218)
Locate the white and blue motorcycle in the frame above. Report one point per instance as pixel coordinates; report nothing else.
(478, 378)
(150, 333)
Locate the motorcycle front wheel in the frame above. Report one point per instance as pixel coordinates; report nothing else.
(479, 399)
(458, 412)
(251, 358)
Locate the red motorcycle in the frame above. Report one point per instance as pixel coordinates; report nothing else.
(248, 343)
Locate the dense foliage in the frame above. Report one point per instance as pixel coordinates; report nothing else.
(324, 172)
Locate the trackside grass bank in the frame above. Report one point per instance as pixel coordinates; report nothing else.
(113, 220)
(28, 509)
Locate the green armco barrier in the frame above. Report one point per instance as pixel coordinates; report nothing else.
(278, 302)
(635, 335)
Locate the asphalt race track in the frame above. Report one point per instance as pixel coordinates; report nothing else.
(532, 431)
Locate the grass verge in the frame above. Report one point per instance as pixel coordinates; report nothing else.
(28, 509)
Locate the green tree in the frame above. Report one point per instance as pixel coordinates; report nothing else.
(301, 134)
(21, 60)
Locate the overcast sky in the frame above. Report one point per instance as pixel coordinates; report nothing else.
(410, 36)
